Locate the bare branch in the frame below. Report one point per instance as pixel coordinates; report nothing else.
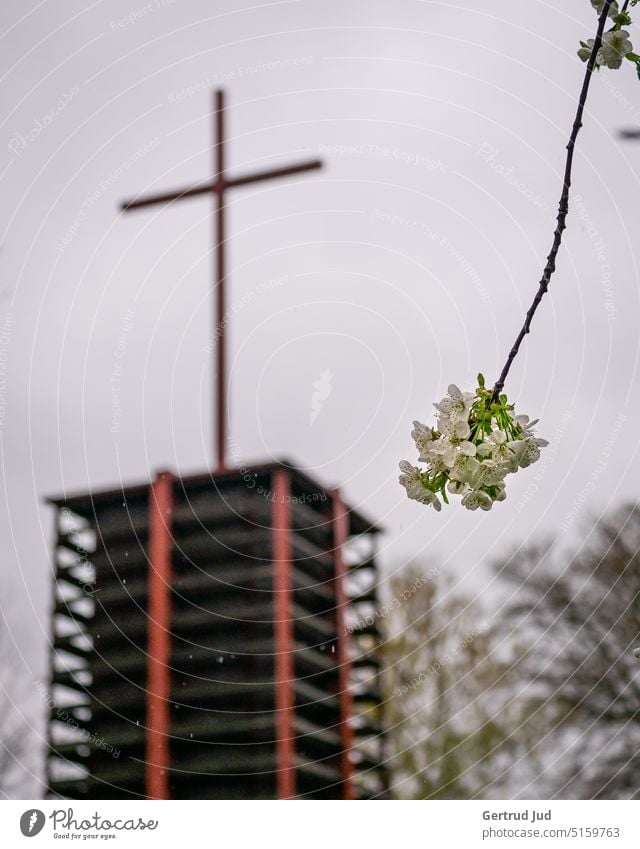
(563, 207)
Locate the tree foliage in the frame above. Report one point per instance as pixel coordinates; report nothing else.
(579, 616)
(449, 715)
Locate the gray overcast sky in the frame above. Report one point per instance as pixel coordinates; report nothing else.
(403, 266)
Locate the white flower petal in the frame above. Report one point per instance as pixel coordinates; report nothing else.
(476, 498)
(468, 449)
(462, 429)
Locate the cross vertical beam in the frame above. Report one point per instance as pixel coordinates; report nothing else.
(220, 272)
(159, 637)
(283, 626)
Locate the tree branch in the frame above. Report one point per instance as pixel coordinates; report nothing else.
(563, 207)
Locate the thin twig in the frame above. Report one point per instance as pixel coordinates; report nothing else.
(563, 207)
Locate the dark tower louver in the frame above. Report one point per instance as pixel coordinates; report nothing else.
(214, 636)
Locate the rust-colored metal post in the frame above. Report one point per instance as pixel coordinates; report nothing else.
(159, 637)
(340, 521)
(219, 319)
(283, 627)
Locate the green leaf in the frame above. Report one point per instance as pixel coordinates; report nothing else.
(481, 379)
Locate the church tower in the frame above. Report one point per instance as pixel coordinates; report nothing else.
(214, 637)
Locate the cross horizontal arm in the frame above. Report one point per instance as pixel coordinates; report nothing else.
(218, 185)
(167, 197)
(286, 171)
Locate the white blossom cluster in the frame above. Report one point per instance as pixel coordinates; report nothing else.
(476, 444)
(616, 43)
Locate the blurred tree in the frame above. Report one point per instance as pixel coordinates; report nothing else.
(17, 742)
(449, 713)
(579, 614)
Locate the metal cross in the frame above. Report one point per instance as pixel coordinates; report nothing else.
(217, 187)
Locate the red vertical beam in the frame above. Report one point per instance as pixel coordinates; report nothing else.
(283, 627)
(219, 321)
(340, 537)
(159, 637)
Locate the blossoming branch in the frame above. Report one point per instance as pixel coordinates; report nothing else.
(479, 440)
